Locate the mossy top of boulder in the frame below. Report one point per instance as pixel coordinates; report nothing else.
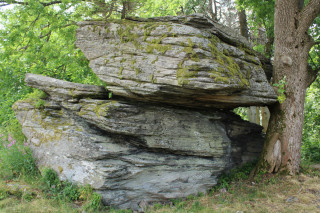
(184, 60)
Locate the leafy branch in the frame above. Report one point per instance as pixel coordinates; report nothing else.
(45, 4)
(281, 89)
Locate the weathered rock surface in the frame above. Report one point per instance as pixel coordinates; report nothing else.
(62, 90)
(133, 152)
(189, 60)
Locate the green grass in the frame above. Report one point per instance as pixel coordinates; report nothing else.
(269, 194)
(48, 194)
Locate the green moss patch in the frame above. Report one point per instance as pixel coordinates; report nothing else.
(154, 61)
(185, 72)
(159, 47)
(229, 70)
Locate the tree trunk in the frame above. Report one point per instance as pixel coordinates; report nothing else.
(265, 115)
(252, 114)
(212, 13)
(124, 9)
(282, 146)
(252, 111)
(268, 46)
(243, 24)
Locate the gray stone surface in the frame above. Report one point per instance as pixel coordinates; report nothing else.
(186, 61)
(62, 90)
(133, 152)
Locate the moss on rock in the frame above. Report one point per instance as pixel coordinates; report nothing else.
(159, 47)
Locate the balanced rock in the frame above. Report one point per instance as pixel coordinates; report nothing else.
(186, 61)
(62, 90)
(133, 152)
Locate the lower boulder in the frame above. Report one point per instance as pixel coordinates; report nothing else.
(133, 152)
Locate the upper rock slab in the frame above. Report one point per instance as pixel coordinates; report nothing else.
(63, 90)
(187, 60)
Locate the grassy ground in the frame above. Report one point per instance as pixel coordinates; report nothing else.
(299, 193)
(19, 196)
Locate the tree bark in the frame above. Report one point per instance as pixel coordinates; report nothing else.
(268, 46)
(212, 13)
(252, 114)
(282, 146)
(124, 9)
(243, 24)
(265, 114)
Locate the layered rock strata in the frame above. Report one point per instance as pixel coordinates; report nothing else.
(189, 60)
(133, 152)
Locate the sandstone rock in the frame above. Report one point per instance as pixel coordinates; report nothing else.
(132, 152)
(62, 90)
(189, 61)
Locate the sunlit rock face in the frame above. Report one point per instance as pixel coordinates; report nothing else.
(168, 131)
(190, 61)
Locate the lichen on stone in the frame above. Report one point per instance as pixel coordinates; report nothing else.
(158, 47)
(185, 72)
(120, 70)
(228, 67)
(148, 28)
(138, 70)
(247, 50)
(159, 40)
(153, 79)
(154, 61)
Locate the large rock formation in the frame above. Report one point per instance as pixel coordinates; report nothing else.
(160, 137)
(132, 152)
(190, 61)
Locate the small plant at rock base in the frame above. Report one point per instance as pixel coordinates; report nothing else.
(196, 207)
(28, 196)
(259, 176)
(70, 192)
(93, 203)
(16, 159)
(50, 179)
(237, 174)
